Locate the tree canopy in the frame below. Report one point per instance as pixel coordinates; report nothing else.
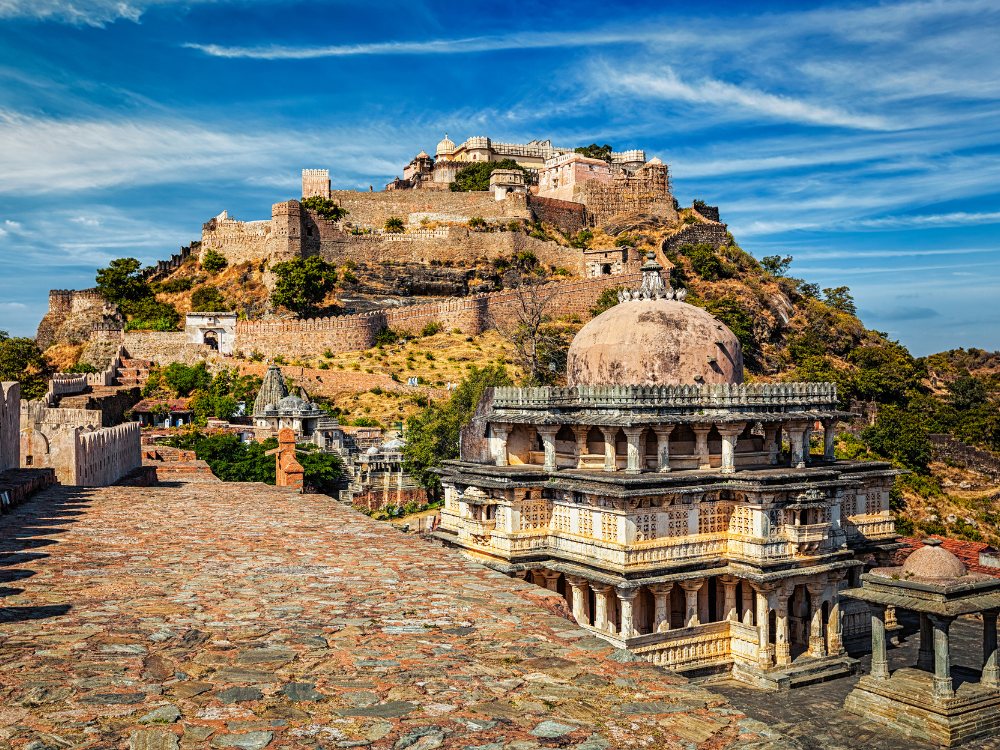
(21, 360)
(476, 176)
(303, 283)
(122, 282)
(593, 151)
(325, 207)
(432, 434)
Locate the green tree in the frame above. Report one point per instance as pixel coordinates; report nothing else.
(476, 176)
(122, 282)
(325, 207)
(303, 283)
(730, 311)
(899, 435)
(394, 225)
(213, 262)
(183, 380)
(607, 299)
(432, 434)
(207, 298)
(775, 264)
(21, 360)
(704, 261)
(81, 367)
(885, 373)
(593, 151)
(840, 298)
(967, 392)
(147, 313)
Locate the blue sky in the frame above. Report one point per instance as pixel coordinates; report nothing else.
(860, 138)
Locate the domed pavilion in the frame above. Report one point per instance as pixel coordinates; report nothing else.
(922, 701)
(677, 508)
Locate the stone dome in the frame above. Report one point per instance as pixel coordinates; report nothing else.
(445, 146)
(933, 561)
(423, 155)
(654, 161)
(293, 403)
(654, 342)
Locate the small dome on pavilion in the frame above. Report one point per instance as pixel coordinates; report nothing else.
(293, 403)
(654, 161)
(445, 146)
(933, 561)
(423, 155)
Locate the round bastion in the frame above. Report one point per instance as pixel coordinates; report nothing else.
(654, 342)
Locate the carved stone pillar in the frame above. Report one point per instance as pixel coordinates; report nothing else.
(691, 589)
(729, 606)
(581, 432)
(835, 626)
(991, 667)
(661, 618)
(538, 577)
(552, 580)
(806, 439)
(610, 462)
(601, 621)
(580, 611)
(632, 436)
(701, 445)
(772, 442)
(730, 432)
(748, 599)
(627, 597)
(765, 652)
(817, 643)
(942, 657)
(782, 649)
(925, 656)
(548, 435)
(880, 664)
(663, 447)
(501, 432)
(796, 435)
(829, 435)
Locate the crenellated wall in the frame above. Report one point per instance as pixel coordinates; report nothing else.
(83, 457)
(356, 332)
(10, 424)
(716, 235)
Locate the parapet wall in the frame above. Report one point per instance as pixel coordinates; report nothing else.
(356, 332)
(716, 235)
(81, 456)
(648, 191)
(71, 314)
(370, 210)
(10, 424)
(164, 347)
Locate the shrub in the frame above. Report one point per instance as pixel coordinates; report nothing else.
(350, 265)
(349, 278)
(477, 222)
(213, 262)
(394, 225)
(173, 286)
(328, 354)
(81, 368)
(325, 207)
(428, 356)
(704, 261)
(476, 176)
(376, 390)
(302, 283)
(431, 328)
(208, 299)
(607, 300)
(625, 241)
(513, 226)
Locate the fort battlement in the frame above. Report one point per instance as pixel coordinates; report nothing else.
(10, 424)
(471, 315)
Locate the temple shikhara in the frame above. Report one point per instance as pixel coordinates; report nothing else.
(679, 510)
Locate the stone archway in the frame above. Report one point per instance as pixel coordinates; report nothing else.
(211, 339)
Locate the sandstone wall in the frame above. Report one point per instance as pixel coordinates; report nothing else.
(36, 415)
(70, 316)
(370, 210)
(568, 216)
(715, 235)
(10, 424)
(356, 332)
(164, 347)
(237, 241)
(648, 191)
(80, 456)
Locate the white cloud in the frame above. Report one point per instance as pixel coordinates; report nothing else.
(957, 218)
(12, 305)
(96, 13)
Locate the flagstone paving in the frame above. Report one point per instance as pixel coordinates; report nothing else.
(244, 616)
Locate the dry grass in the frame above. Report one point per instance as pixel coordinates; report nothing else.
(58, 357)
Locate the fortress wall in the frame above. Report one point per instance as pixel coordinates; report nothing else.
(647, 191)
(237, 241)
(568, 216)
(164, 347)
(716, 235)
(10, 424)
(294, 338)
(79, 307)
(105, 456)
(370, 210)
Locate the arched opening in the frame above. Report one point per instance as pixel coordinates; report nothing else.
(211, 340)
(606, 269)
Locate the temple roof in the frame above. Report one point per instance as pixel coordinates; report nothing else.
(272, 390)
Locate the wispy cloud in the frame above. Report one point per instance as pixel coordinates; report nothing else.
(954, 219)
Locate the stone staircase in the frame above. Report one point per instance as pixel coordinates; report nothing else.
(803, 671)
(133, 372)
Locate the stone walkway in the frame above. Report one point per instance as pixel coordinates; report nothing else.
(242, 616)
(815, 715)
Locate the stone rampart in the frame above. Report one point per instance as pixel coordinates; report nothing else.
(648, 191)
(370, 210)
(568, 216)
(164, 267)
(70, 316)
(356, 332)
(976, 459)
(715, 235)
(164, 347)
(36, 415)
(81, 456)
(10, 424)
(237, 241)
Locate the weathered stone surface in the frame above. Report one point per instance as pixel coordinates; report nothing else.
(168, 714)
(152, 739)
(207, 581)
(551, 729)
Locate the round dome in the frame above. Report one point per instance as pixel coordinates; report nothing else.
(423, 155)
(654, 161)
(292, 403)
(445, 146)
(654, 342)
(269, 407)
(933, 561)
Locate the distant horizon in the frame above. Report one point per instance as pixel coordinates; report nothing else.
(859, 138)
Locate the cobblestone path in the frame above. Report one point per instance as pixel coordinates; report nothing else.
(242, 616)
